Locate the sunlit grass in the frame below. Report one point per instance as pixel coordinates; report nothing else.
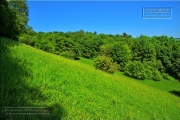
(75, 90)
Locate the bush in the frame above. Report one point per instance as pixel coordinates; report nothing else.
(136, 70)
(106, 64)
(167, 77)
(156, 75)
(69, 54)
(148, 73)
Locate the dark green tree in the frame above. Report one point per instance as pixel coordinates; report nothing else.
(175, 68)
(21, 11)
(8, 26)
(136, 70)
(163, 46)
(143, 50)
(121, 54)
(90, 45)
(126, 35)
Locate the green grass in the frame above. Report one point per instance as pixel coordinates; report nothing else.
(89, 62)
(75, 90)
(165, 85)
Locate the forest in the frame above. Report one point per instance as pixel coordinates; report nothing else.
(143, 57)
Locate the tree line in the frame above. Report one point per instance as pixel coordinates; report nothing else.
(143, 57)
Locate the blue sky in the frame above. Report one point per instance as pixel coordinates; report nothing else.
(103, 17)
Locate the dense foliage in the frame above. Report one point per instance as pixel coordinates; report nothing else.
(159, 55)
(121, 54)
(8, 26)
(13, 18)
(136, 70)
(20, 8)
(106, 64)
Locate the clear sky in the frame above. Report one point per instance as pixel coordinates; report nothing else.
(103, 17)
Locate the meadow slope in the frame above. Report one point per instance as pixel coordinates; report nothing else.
(74, 90)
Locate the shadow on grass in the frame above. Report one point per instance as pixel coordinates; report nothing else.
(174, 92)
(16, 92)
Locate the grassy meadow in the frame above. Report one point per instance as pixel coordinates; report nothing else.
(74, 89)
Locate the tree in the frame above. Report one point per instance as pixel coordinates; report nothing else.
(136, 70)
(21, 11)
(28, 37)
(126, 35)
(7, 21)
(175, 68)
(163, 46)
(121, 54)
(106, 50)
(90, 45)
(143, 49)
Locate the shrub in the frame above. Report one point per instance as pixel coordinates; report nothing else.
(27, 39)
(156, 75)
(159, 65)
(69, 54)
(148, 73)
(167, 77)
(106, 64)
(136, 70)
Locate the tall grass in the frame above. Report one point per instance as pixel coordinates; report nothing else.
(74, 90)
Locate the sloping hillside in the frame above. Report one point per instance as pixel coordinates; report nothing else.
(74, 90)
